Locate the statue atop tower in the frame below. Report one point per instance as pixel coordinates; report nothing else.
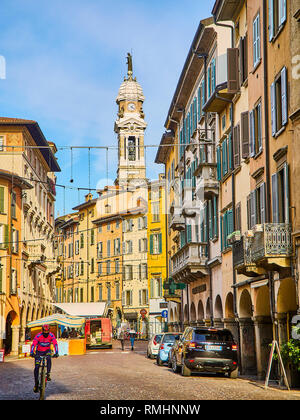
(130, 126)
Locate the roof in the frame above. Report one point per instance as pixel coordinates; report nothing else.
(85, 204)
(226, 9)
(38, 137)
(15, 179)
(164, 149)
(83, 309)
(202, 42)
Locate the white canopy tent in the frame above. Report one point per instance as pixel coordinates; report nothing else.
(87, 310)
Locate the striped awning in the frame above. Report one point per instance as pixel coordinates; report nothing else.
(58, 319)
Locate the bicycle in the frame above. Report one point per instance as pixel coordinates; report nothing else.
(43, 375)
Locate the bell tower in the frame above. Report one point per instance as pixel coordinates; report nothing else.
(130, 127)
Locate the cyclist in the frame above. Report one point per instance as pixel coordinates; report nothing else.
(41, 346)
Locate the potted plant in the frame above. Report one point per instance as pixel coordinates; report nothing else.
(290, 353)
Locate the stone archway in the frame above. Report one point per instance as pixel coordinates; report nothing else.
(200, 312)
(185, 313)
(208, 312)
(218, 312)
(247, 334)
(193, 313)
(263, 329)
(12, 329)
(286, 306)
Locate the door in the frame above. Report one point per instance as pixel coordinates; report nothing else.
(106, 330)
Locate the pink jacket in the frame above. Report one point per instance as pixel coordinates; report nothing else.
(41, 343)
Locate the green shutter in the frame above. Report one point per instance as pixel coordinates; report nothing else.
(230, 150)
(151, 244)
(210, 220)
(6, 236)
(221, 233)
(1, 199)
(189, 233)
(160, 242)
(215, 217)
(219, 175)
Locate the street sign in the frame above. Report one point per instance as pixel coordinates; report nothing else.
(143, 313)
(164, 313)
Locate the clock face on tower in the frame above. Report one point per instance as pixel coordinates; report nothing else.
(131, 106)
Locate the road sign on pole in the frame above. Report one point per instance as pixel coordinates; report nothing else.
(164, 313)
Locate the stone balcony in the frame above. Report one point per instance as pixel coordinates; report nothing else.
(176, 220)
(206, 172)
(267, 247)
(189, 263)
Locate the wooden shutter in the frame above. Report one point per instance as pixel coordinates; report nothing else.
(284, 105)
(213, 75)
(210, 220)
(236, 146)
(230, 163)
(238, 225)
(271, 20)
(215, 216)
(219, 174)
(262, 203)
(199, 104)
(1, 199)
(208, 81)
(151, 244)
(221, 233)
(160, 243)
(151, 288)
(245, 134)
(245, 53)
(241, 61)
(273, 110)
(232, 70)
(230, 222)
(275, 203)
(252, 209)
(252, 133)
(6, 236)
(286, 192)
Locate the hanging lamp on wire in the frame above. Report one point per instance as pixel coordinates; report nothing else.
(71, 179)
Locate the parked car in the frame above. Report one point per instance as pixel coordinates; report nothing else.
(167, 341)
(205, 350)
(153, 346)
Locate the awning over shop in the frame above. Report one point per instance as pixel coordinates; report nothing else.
(58, 319)
(83, 309)
(130, 315)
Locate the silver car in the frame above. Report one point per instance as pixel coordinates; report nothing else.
(153, 345)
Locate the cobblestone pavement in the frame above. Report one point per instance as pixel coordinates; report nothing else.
(116, 375)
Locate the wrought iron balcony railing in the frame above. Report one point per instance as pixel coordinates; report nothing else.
(272, 240)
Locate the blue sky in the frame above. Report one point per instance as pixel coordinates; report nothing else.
(65, 61)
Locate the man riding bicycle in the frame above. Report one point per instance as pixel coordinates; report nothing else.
(41, 346)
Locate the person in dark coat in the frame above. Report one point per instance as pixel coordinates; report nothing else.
(132, 335)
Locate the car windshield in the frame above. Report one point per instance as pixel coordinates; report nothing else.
(157, 338)
(219, 336)
(169, 338)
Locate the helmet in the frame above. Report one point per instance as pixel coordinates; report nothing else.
(46, 328)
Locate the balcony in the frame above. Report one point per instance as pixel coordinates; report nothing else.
(206, 173)
(272, 245)
(189, 263)
(176, 220)
(269, 247)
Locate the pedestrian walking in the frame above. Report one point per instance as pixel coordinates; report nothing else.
(132, 335)
(121, 336)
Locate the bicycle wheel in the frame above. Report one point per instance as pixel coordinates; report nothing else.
(42, 383)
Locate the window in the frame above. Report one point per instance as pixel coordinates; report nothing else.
(156, 287)
(212, 218)
(13, 281)
(226, 224)
(77, 247)
(1, 199)
(108, 267)
(108, 293)
(155, 211)
(128, 272)
(256, 40)
(117, 284)
(279, 104)
(127, 298)
(13, 204)
(211, 77)
(108, 248)
(4, 236)
(100, 268)
(256, 206)
(117, 266)
(243, 59)
(143, 271)
(224, 153)
(280, 195)
(156, 243)
(82, 268)
(143, 297)
(277, 17)
(92, 294)
(92, 265)
(255, 130)
(92, 236)
(143, 245)
(100, 289)
(131, 148)
(99, 250)
(1, 143)
(15, 241)
(81, 240)
(108, 227)
(117, 246)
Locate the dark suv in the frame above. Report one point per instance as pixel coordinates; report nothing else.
(205, 350)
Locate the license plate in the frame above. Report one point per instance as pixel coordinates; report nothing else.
(213, 348)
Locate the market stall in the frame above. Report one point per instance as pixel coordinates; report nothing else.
(68, 330)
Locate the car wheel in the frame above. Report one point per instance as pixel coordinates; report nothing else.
(159, 361)
(174, 365)
(234, 374)
(185, 371)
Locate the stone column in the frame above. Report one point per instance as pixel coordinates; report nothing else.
(247, 347)
(15, 340)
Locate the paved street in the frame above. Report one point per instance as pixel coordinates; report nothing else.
(116, 375)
